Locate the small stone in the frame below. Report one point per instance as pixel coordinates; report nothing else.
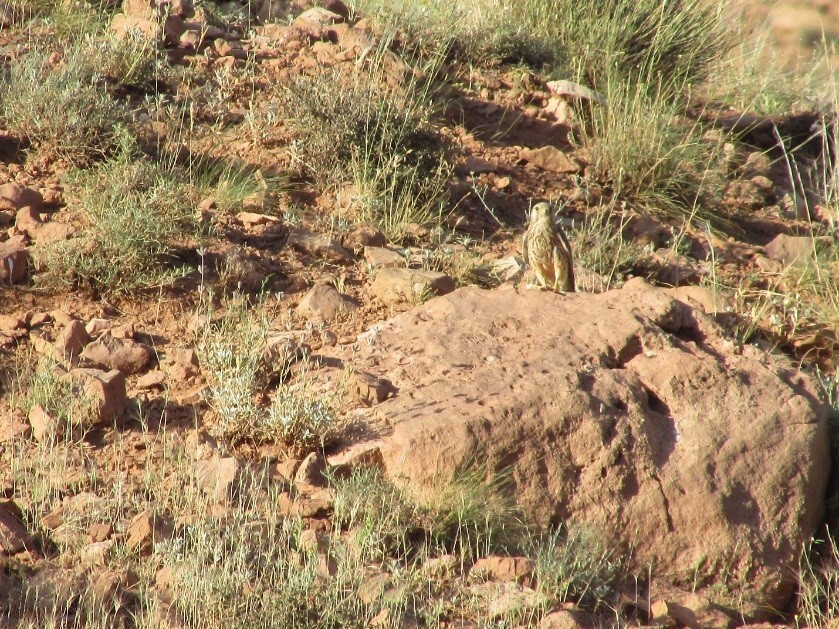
(183, 355)
(757, 164)
(181, 8)
(105, 389)
(370, 390)
(146, 530)
(12, 427)
(138, 8)
(39, 318)
(791, 250)
(363, 236)
(219, 477)
(440, 567)
(318, 15)
(252, 219)
(44, 426)
(324, 303)
(563, 619)
(328, 338)
(96, 553)
(310, 472)
(72, 340)
(764, 183)
(61, 317)
(502, 183)
(357, 456)
(476, 165)
(110, 352)
(509, 269)
(14, 197)
(552, 159)
(201, 445)
(124, 331)
(318, 246)
(13, 535)
(99, 532)
(688, 609)
(95, 327)
(338, 7)
(14, 260)
(191, 40)
(27, 220)
(561, 111)
(53, 231)
(129, 26)
(569, 89)
(709, 300)
(311, 542)
(510, 569)
(312, 507)
(395, 286)
(9, 323)
(383, 257)
(502, 600)
(152, 380)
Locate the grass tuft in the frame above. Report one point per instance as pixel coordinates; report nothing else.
(134, 210)
(62, 109)
(376, 131)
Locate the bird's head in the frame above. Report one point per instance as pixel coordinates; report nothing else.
(540, 212)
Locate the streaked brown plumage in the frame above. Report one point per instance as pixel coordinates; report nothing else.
(546, 249)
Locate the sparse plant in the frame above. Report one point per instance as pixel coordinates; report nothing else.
(302, 417)
(231, 184)
(677, 42)
(65, 21)
(69, 413)
(473, 514)
(818, 585)
(63, 108)
(573, 564)
(133, 211)
(652, 156)
(380, 514)
(600, 247)
(231, 351)
(376, 133)
(239, 364)
(131, 59)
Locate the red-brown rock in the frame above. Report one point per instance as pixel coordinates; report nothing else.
(627, 410)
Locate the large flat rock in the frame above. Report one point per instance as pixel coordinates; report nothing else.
(628, 411)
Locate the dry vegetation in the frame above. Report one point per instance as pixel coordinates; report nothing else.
(158, 157)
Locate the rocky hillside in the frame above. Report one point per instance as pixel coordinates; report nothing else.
(270, 355)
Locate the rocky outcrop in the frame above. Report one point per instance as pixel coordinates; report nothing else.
(627, 411)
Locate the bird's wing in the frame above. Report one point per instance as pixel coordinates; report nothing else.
(568, 258)
(524, 248)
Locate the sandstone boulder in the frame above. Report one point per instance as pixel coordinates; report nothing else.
(550, 158)
(626, 411)
(394, 286)
(323, 303)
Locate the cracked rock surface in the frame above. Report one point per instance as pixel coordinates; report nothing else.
(628, 411)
